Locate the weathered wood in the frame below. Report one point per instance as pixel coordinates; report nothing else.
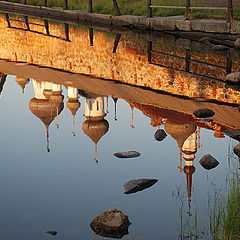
(65, 5)
(117, 10)
(149, 8)
(90, 6)
(230, 11)
(45, 3)
(188, 10)
(191, 8)
(25, 1)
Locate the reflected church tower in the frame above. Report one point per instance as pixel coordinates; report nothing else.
(22, 82)
(73, 104)
(95, 126)
(42, 107)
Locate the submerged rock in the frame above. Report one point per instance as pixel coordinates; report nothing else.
(206, 120)
(236, 150)
(129, 154)
(205, 40)
(203, 113)
(220, 48)
(137, 185)
(53, 233)
(111, 223)
(208, 162)
(233, 77)
(235, 134)
(160, 135)
(237, 43)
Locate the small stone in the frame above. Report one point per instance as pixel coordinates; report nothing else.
(220, 48)
(236, 150)
(237, 43)
(203, 113)
(206, 120)
(137, 185)
(205, 40)
(129, 154)
(53, 233)
(160, 135)
(111, 223)
(208, 162)
(235, 134)
(233, 77)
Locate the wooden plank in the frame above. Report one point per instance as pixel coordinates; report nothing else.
(192, 8)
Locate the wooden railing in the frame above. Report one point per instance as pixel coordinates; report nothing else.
(188, 9)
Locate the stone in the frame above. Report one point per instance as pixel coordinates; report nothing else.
(203, 113)
(236, 150)
(220, 48)
(206, 120)
(53, 233)
(129, 154)
(235, 134)
(111, 223)
(160, 135)
(233, 77)
(208, 162)
(237, 43)
(137, 185)
(205, 40)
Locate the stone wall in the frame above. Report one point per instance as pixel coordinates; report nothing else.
(129, 64)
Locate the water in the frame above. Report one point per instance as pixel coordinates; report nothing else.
(64, 189)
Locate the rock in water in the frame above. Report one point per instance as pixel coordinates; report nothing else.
(237, 43)
(53, 233)
(112, 223)
(233, 77)
(137, 185)
(160, 135)
(235, 134)
(208, 162)
(129, 154)
(236, 150)
(203, 113)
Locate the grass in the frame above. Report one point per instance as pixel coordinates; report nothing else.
(138, 7)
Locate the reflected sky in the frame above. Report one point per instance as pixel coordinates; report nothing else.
(64, 189)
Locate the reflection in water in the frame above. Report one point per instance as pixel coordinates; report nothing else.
(3, 80)
(22, 82)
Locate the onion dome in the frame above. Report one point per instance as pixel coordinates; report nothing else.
(179, 131)
(47, 93)
(95, 130)
(22, 82)
(73, 105)
(43, 109)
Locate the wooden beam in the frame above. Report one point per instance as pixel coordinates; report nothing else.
(90, 6)
(230, 11)
(65, 5)
(117, 10)
(149, 8)
(45, 3)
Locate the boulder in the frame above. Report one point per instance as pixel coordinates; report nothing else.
(203, 113)
(111, 223)
(236, 150)
(233, 77)
(208, 162)
(160, 135)
(129, 154)
(235, 134)
(137, 185)
(237, 43)
(220, 48)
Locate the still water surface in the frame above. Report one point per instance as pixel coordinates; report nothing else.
(64, 187)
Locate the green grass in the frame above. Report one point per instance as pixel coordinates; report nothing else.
(137, 7)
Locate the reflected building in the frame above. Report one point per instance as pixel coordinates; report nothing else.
(44, 106)
(2, 82)
(22, 82)
(73, 104)
(95, 126)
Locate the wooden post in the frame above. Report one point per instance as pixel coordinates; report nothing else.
(46, 26)
(91, 36)
(188, 10)
(65, 4)
(188, 58)
(27, 23)
(149, 50)
(230, 11)
(25, 1)
(117, 39)
(66, 32)
(117, 10)
(8, 20)
(149, 9)
(90, 7)
(229, 63)
(45, 3)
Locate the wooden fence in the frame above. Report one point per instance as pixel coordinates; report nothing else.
(188, 9)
